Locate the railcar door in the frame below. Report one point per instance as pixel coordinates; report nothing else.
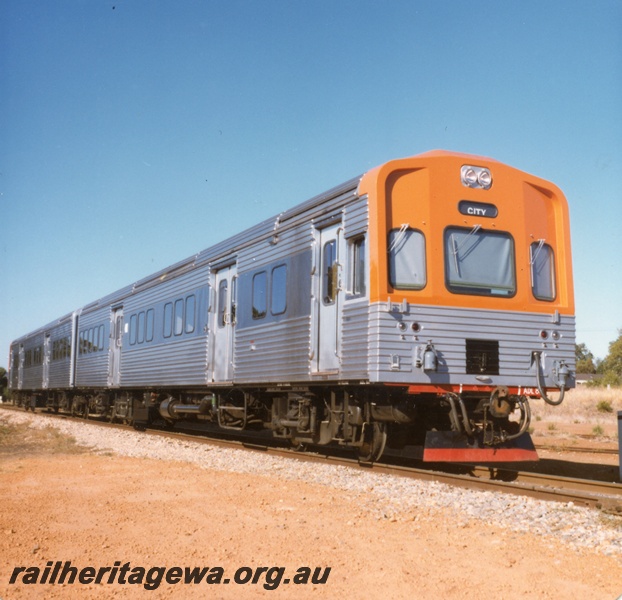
(116, 342)
(224, 321)
(329, 313)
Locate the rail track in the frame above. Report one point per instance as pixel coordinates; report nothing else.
(577, 449)
(604, 496)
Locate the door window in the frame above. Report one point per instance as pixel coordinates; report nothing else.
(222, 302)
(329, 272)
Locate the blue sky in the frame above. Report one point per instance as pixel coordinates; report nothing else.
(136, 133)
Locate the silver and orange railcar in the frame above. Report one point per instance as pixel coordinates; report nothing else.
(423, 304)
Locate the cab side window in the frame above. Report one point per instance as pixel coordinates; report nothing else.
(542, 271)
(407, 259)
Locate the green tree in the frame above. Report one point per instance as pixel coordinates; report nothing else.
(4, 382)
(585, 359)
(611, 366)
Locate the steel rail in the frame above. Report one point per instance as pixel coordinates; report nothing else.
(577, 449)
(603, 496)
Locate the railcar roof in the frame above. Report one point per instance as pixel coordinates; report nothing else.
(212, 254)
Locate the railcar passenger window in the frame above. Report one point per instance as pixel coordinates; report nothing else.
(179, 317)
(140, 338)
(190, 304)
(168, 319)
(407, 270)
(329, 272)
(479, 262)
(278, 298)
(133, 329)
(260, 304)
(149, 327)
(101, 337)
(542, 271)
(357, 259)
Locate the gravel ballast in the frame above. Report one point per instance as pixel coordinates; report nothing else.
(380, 496)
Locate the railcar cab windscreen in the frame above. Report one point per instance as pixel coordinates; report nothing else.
(419, 309)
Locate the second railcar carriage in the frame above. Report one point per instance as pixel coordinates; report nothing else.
(423, 304)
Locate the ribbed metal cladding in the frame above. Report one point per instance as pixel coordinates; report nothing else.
(59, 371)
(92, 368)
(288, 243)
(355, 340)
(274, 352)
(14, 367)
(516, 333)
(177, 363)
(32, 376)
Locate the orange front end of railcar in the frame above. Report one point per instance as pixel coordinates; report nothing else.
(474, 258)
(425, 193)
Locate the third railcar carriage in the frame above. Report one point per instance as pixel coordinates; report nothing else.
(423, 304)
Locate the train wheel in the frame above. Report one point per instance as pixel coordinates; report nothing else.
(374, 442)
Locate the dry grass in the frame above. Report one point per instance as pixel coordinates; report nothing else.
(587, 403)
(20, 439)
(583, 405)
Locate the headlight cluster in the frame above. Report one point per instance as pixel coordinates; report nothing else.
(555, 335)
(476, 177)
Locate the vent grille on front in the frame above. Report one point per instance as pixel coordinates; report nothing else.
(482, 357)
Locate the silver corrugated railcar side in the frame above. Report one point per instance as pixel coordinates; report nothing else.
(33, 364)
(94, 350)
(276, 348)
(93, 341)
(283, 347)
(59, 354)
(14, 366)
(31, 359)
(355, 325)
(154, 356)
